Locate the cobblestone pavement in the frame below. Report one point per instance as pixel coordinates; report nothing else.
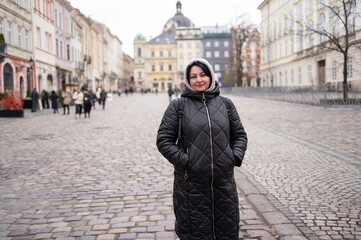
(308, 161)
(103, 178)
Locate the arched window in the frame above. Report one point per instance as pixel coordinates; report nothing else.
(310, 34)
(335, 14)
(8, 78)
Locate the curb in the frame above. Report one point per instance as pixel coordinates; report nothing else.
(282, 220)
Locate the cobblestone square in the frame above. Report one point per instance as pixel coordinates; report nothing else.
(103, 178)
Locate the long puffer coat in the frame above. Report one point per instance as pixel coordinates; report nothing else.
(212, 143)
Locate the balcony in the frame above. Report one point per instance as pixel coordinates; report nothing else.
(3, 51)
(79, 67)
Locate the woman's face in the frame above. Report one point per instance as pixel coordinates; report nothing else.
(198, 80)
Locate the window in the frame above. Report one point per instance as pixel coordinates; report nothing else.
(189, 45)
(351, 19)
(68, 52)
(139, 52)
(280, 79)
(161, 67)
(280, 49)
(292, 44)
(310, 34)
(9, 32)
(279, 26)
(208, 54)
(19, 37)
(299, 75)
(160, 52)
(309, 73)
(226, 53)
(322, 27)
(1, 25)
(169, 53)
(300, 40)
(181, 56)
(208, 44)
(334, 63)
(38, 39)
(26, 39)
(198, 54)
(216, 44)
(61, 49)
(189, 55)
(286, 80)
(285, 21)
(226, 43)
(57, 47)
(60, 25)
(198, 45)
(25, 4)
(152, 53)
(170, 67)
(300, 11)
(153, 67)
(216, 67)
(286, 49)
(292, 77)
(335, 14)
(310, 7)
(274, 29)
(349, 67)
(180, 45)
(56, 17)
(216, 54)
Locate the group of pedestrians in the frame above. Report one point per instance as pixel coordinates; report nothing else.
(83, 99)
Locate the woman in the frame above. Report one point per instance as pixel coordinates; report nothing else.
(78, 97)
(211, 142)
(54, 101)
(87, 103)
(67, 101)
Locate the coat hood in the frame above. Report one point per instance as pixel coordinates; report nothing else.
(205, 62)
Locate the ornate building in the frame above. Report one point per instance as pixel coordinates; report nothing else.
(160, 55)
(16, 71)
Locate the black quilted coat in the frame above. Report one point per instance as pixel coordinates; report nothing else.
(212, 142)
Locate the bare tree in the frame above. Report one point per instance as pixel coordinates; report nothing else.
(341, 37)
(241, 31)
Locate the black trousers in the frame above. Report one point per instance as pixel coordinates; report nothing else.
(65, 106)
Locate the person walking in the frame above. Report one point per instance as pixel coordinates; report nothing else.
(170, 93)
(93, 98)
(45, 99)
(87, 102)
(201, 134)
(34, 100)
(66, 101)
(78, 97)
(98, 95)
(54, 101)
(103, 97)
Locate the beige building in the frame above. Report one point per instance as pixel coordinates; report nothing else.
(189, 46)
(139, 61)
(294, 56)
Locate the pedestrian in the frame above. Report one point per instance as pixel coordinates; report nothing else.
(103, 97)
(176, 91)
(34, 100)
(98, 95)
(78, 97)
(170, 93)
(119, 92)
(87, 102)
(156, 91)
(202, 136)
(54, 101)
(45, 98)
(93, 97)
(66, 101)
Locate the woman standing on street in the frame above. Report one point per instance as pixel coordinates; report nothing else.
(54, 101)
(78, 97)
(202, 136)
(66, 101)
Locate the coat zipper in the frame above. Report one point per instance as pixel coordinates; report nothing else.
(212, 179)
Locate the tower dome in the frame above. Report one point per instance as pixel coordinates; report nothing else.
(139, 36)
(178, 20)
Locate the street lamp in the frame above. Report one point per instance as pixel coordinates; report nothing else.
(31, 63)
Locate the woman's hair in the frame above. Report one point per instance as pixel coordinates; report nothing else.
(204, 68)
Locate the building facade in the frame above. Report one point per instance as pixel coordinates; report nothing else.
(63, 43)
(295, 56)
(139, 61)
(16, 71)
(44, 45)
(217, 45)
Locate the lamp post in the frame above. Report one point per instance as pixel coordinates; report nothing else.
(31, 63)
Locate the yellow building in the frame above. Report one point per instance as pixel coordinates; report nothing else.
(292, 55)
(157, 58)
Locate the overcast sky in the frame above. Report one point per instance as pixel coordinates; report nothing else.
(126, 18)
